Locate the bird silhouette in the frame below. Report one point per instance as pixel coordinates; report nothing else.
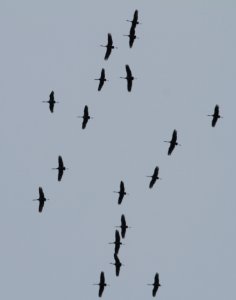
(41, 199)
(173, 142)
(85, 117)
(117, 242)
(51, 101)
(123, 226)
(102, 79)
(117, 264)
(154, 177)
(135, 19)
(102, 284)
(121, 192)
(129, 77)
(109, 46)
(61, 168)
(132, 36)
(215, 116)
(156, 284)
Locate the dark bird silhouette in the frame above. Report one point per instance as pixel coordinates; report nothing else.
(215, 116)
(123, 226)
(102, 284)
(85, 117)
(102, 79)
(154, 177)
(117, 264)
(61, 168)
(132, 36)
(41, 199)
(135, 19)
(51, 101)
(173, 142)
(117, 242)
(109, 46)
(129, 77)
(121, 192)
(156, 284)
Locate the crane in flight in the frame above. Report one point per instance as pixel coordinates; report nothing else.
(135, 19)
(109, 46)
(51, 101)
(129, 77)
(121, 192)
(41, 199)
(123, 226)
(132, 36)
(173, 142)
(102, 79)
(102, 284)
(61, 168)
(156, 284)
(117, 242)
(85, 117)
(117, 264)
(215, 116)
(154, 177)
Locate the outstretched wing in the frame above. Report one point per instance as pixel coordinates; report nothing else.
(128, 71)
(41, 193)
(108, 52)
(123, 222)
(102, 278)
(171, 148)
(216, 110)
(152, 182)
(122, 187)
(174, 136)
(60, 162)
(60, 173)
(51, 106)
(129, 85)
(109, 42)
(135, 19)
(117, 237)
(41, 205)
(156, 279)
(85, 121)
(51, 96)
(86, 112)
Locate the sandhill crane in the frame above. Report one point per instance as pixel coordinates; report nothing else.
(123, 226)
(102, 284)
(154, 177)
(173, 142)
(41, 199)
(121, 192)
(132, 36)
(117, 264)
(61, 168)
(117, 242)
(215, 116)
(85, 117)
(135, 19)
(156, 284)
(51, 101)
(102, 79)
(129, 77)
(109, 46)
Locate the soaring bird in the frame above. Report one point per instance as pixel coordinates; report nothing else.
(109, 46)
(85, 117)
(135, 19)
(173, 142)
(129, 77)
(61, 168)
(154, 177)
(41, 199)
(51, 101)
(117, 264)
(156, 284)
(132, 36)
(102, 79)
(215, 116)
(102, 284)
(121, 192)
(123, 226)
(117, 242)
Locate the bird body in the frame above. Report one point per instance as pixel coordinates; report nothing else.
(117, 264)
(51, 101)
(102, 79)
(173, 142)
(109, 46)
(102, 284)
(215, 116)
(123, 226)
(156, 284)
(154, 177)
(129, 77)
(41, 199)
(132, 36)
(121, 192)
(61, 168)
(117, 242)
(135, 19)
(85, 117)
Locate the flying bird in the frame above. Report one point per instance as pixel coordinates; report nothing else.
(156, 284)
(132, 36)
(102, 284)
(85, 117)
(154, 177)
(121, 192)
(51, 101)
(117, 242)
(123, 226)
(109, 46)
(61, 168)
(173, 142)
(102, 79)
(129, 77)
(41, 199)
(135, 19)
(215, 116)
(117, 264)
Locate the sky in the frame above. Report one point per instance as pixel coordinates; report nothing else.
(185, 227)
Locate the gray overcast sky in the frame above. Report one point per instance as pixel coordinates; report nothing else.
(185, 227)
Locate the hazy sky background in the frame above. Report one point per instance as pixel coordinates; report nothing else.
(185, 227)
